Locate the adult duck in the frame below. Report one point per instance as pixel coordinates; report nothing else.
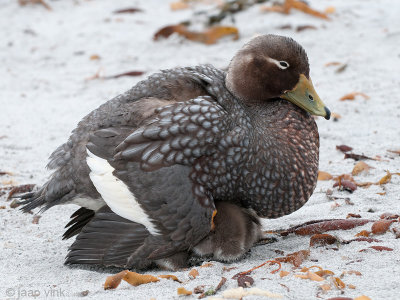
(156, 159)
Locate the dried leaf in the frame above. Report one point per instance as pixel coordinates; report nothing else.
(183, 291)
(295, 258)
(378, 248)
(199, 289)
(130, 73)
(94, 57)
(245, 281)
(389, 216)
(362, 239)
(137, 279)
(360, 167)
(178, 5)
(330, 10)
(356, 156)
(363, 233)
(305, 27)
(41, 2)
(340, 298)
(283, 273)
(346, 185)
(344, 148)
(351, 215)
(172, 277)
(113, 281)
(338, 283)
(394, 151)
(299, 5)
(263, 264)
(2, 207)
(322, 239)
(352, 96)
(333, 63)
(350, 286)
(323, 273)
(131, 10)
(25, 188)
(381, 226)
(220, 284)
(351, 272)
(335, 116)
(362, 298)
(6, 173)
(324, 175)
(193, 274)
(208, 37)
(207, 265)
(396, 232)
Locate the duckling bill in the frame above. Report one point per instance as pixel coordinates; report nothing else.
(148, 166)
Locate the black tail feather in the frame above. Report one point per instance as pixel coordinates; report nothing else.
(79, 219)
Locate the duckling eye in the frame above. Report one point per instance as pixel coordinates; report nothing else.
(283, 64)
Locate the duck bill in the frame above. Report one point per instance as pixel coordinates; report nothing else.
(305, 96)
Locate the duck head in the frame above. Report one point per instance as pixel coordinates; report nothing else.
(272, 66)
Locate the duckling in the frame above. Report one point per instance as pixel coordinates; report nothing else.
(161, 154)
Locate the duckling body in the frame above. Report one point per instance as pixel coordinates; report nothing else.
(160, 155)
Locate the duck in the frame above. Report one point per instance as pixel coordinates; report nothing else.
(157, 158)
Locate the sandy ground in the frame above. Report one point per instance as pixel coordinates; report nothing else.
(45, 61)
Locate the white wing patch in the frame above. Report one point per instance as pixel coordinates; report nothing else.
(116, 194)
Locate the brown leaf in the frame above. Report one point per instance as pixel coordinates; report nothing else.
(335, 116)
(295, 258)
(299, 5)
(94, 57)
(381, 226)
(5, 173)
(328, 225)
(351, 215)
(257, 267)
(193, 274)
(172, 277)
(356, 156)
(365, 233)
(113, 281)
(2, 207)
(333, 63)
(207, 265)
(323, 273)
(394, 151)
(340, 298)
(324, 175)
(130, 10)
(183, 291)
(208, 37)
(322, 240)
(283, 273)
(178, 5)
(360, 167)
(363, 297)
(137, 279)
(41, 2)
(389, 216)
(344, 148)
(305, 27)
(338, 283)
(346, 185)
(220, 284)
(130, 73)
(362, 239)
(378, 248)
(245, 281)
(310, 275)
(25, 188)
(353, 95)
(350, 272)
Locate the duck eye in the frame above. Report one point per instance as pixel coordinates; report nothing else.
(283, 64)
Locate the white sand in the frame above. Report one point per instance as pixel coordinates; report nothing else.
(45, 58)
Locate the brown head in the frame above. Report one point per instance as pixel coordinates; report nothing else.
(272, 66)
